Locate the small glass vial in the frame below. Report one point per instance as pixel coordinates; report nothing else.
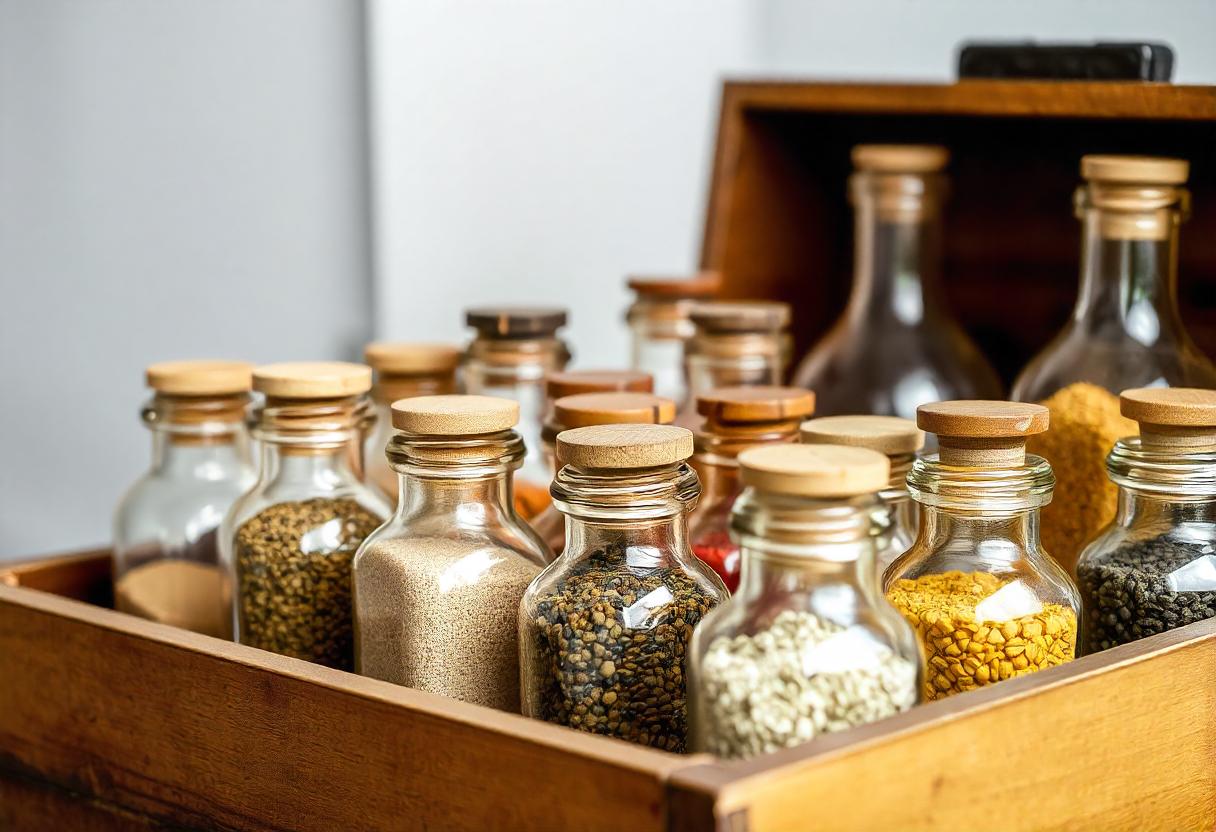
(604, 629)
(513, 351)
(403, 370)
(898, 519)
(289, 540)
(807, 645)
(735, 418)
(437, 587)
(986, 601)
(1154, 567)
(660, 326)
(166, 556)
(584, 410)
(735, 344)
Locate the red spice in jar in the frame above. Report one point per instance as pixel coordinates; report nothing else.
(720, 554)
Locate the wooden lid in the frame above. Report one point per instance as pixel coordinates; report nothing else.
(756, 404)
(200, 378)
(739, 316)
(701, 285)
(1173, 416)
(455, 415)
(624, 446)
(574, 382)
(312, 379)
(1135, 169)
(588, 409)
(405, 358)
(982, 433)
(900, 158)
(516, 321)
(888, 435)
(814, 470)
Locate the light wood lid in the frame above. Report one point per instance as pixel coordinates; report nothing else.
(574, 382)
(200, 378)
(1172, 416)
(701, 285)
(624, 446)
(455, 415)
(312, 379)
(888, 435)
(740, 316)
(814, 470)
(587, 409)
(756, 404)
(1155, 170)
(516, 321)
(405, 358)
(900, 158)
(982, 433)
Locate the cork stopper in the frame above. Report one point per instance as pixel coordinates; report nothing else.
(1139, 197)
(1172, 417)
(1145, 170)
(588, 409)
(755, 404)
(455, 415)
(405, 358)
(624, 446)
(703, 284)
(982, 434)
(576, 382)
(814, 470)
(888, 435)
(200, 378)
(312, 380)
(515, 321)
(900, 158)
(740, 316)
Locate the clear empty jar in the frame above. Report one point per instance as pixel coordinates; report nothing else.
(660, 326)
(290, 539)
(403, 370)
(807, 645)
(605, 627)
(735, 418)
(1154, 567)
(438, 587)
(898, 519)
(986, 601)
(166, 553)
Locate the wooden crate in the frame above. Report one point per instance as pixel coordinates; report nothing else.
(110, 722)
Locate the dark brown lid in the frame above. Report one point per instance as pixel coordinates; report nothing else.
(701, 285)
(574, 382)
(756, 404)
(515, 321)
(740, 316)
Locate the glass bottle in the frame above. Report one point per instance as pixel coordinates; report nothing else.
(986, 601)
(807, 645)
(403, 370)
(660, 326)
(899, 440)
(1154, 567)
(166, 558)
(437, 587)
(735, 418)
(513, 351)
(604, 628)
(584, 410)
(896, 346)
(289, 540)
(735, 344)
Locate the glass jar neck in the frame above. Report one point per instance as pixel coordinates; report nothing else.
(718, 445)
(732, 360)
(1149, 476)
(468, 477)
(314, 439)
(502, 362)
(661, 320)
(980, 492)
(189, 434)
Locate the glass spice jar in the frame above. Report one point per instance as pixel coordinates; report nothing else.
(660, 326)
(735, 344)
(604, 629)
(986, 601)
(166, 556)
(807, 645)
(899, 440)
(896, 346)
(584, 410)
(735, 418)
(289, 540)
(1154, 567)
(437, 588)
(513, 351)
(403, 370)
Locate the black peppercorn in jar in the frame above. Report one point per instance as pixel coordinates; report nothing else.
(1153, 568)
(604, 629)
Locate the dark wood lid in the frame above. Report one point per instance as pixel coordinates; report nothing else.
(701, 285)
(515, 321)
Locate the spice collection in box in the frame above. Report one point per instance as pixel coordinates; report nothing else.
(683, 553)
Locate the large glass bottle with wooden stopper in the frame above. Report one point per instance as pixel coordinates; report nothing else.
(1153, 568)
(659, 326)
(986, 601)
(896, 346)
